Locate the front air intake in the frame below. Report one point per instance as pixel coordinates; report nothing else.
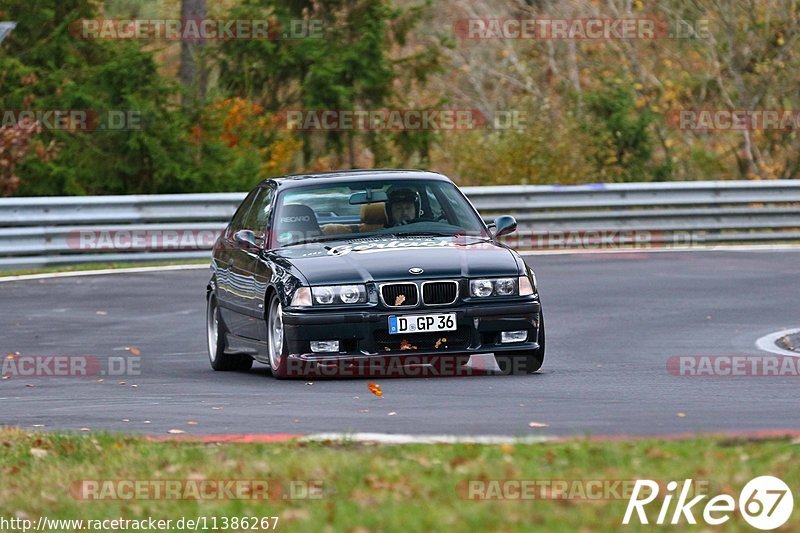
(399, 294)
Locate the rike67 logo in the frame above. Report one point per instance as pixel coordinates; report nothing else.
(766, 503)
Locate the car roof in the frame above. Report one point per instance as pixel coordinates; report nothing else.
(341, 176)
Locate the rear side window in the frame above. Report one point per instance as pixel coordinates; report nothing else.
(237, 222)
(258, 215)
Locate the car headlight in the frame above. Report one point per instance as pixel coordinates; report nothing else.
(481, 287)
(493, 287)
(504, 286)
(339, 294)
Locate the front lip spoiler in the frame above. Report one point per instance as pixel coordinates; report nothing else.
(323, 358)
(419, 365)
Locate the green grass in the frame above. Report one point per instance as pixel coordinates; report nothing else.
(377, 488)
(98, 266)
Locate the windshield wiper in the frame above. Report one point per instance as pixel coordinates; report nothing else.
(475, 238)
(325, 238)
(338, 237)
(433, 233)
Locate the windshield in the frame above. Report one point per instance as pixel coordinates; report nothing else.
(367, 209)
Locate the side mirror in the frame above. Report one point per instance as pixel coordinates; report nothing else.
(504, 225)
(246, 238)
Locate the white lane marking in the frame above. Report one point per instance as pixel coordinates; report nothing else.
(767, 342)
(390, 438)
(720, 248)
(48, 275)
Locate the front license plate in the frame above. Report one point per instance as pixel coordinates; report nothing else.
(422, 323)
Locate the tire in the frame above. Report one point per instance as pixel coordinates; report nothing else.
(276, 340)
(523, 363)
(215, 336)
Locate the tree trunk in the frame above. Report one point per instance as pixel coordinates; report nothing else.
(192, 72)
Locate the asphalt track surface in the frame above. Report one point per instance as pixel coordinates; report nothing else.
(613, 320)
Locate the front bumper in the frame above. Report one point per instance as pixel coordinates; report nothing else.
(363, 333)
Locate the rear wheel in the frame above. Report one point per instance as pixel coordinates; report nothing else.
(523, 362)
(215, 334)
(276, 339)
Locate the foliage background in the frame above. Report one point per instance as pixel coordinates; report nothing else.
(593, 110)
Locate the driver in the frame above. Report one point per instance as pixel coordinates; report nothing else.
(402, 206)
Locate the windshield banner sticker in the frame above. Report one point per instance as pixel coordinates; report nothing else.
(387, 246)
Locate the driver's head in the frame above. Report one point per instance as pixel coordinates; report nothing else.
(401, 206)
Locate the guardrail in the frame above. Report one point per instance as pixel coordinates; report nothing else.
(44, 231)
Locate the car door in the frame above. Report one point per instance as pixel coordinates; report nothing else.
(253, 269)
(227, 254)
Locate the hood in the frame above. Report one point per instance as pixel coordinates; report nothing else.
(387, 259)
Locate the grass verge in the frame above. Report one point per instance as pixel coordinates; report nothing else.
(372, 487)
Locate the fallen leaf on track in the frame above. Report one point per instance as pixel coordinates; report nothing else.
(375, 389)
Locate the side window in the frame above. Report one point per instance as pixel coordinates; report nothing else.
(435, 210)
(258, 216)
(237, 222)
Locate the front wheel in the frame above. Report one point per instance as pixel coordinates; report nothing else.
(522, 362)
(215, 334)
(276, 339)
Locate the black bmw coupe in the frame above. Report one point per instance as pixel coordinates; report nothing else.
(380, 269)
